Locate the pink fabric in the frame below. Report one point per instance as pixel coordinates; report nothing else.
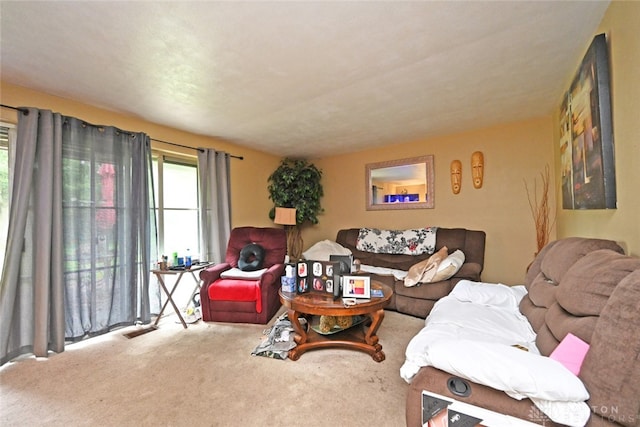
(571, 352)
(106, 213)
(236, 290)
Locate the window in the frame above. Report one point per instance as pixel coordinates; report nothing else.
(176, 197)
(6, 131)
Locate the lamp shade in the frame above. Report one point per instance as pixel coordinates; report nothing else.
(285, 216)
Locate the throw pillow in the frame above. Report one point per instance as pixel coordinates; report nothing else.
(251, 257)
(449, 266)
(571, 353)
(424, 271)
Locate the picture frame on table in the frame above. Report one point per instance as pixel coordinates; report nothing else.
(346, 262)
(321, 277)
(356, 286)
(302, 281)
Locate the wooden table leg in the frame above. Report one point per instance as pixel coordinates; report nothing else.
(169, 300)
(370, 336)
(300, 336)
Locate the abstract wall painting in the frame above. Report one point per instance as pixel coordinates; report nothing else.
(586, 135)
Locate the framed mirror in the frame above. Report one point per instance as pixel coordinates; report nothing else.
(400, 184)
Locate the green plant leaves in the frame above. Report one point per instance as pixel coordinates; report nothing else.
(296, 184)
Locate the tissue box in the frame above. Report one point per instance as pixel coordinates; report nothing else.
(288, 284)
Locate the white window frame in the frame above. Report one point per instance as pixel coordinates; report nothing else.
(161, 158)
(11, 135)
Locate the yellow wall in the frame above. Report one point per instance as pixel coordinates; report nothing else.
(249, 196)
(620, 24)
(513, 153)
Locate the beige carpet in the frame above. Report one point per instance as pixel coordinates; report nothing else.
(205, 376)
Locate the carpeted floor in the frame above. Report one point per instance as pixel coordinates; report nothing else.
(205, 376)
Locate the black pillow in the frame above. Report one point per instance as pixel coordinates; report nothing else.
(251, 257)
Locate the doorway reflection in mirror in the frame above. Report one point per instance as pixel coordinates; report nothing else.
(400, 184)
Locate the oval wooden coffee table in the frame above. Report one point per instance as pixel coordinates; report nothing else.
(361, 337)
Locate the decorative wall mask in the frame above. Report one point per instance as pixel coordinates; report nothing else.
(477, 168)
(456, 176)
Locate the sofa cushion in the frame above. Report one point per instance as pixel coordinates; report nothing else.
(563, 255)
(534, 313)
(561, 297)
(580, 296)
(424, 271)
(535, 268)
(542, 291)
(236, 290)
(545, 340)
(586, 287)
(433, 291)
(611, 369)
(560, 322)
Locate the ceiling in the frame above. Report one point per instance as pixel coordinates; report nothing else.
(303, 79)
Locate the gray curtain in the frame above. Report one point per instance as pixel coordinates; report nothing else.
(81, 234)
(215, 203)
(31, 288)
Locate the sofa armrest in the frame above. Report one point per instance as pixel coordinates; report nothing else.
(469, 270)
(211, 274)
(271, 276)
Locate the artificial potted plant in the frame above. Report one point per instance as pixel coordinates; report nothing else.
(295, 184)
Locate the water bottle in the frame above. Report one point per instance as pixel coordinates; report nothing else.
(187, 259)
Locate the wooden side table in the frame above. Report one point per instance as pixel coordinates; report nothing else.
(360, 337)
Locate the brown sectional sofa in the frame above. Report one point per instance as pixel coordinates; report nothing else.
(586, 287)
(418, 300)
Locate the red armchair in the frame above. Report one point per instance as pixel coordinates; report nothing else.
(242, 300)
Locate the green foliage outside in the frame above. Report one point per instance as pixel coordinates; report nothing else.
(296, 184)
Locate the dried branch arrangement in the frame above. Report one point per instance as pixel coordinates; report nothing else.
(541, 209)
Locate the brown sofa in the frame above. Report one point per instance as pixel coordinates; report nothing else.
(586, 287)
(418, 300)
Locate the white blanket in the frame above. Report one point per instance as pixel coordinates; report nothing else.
(383, 271)
(472, 333)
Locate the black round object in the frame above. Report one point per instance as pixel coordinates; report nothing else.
(251, 257)
(459, 387)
